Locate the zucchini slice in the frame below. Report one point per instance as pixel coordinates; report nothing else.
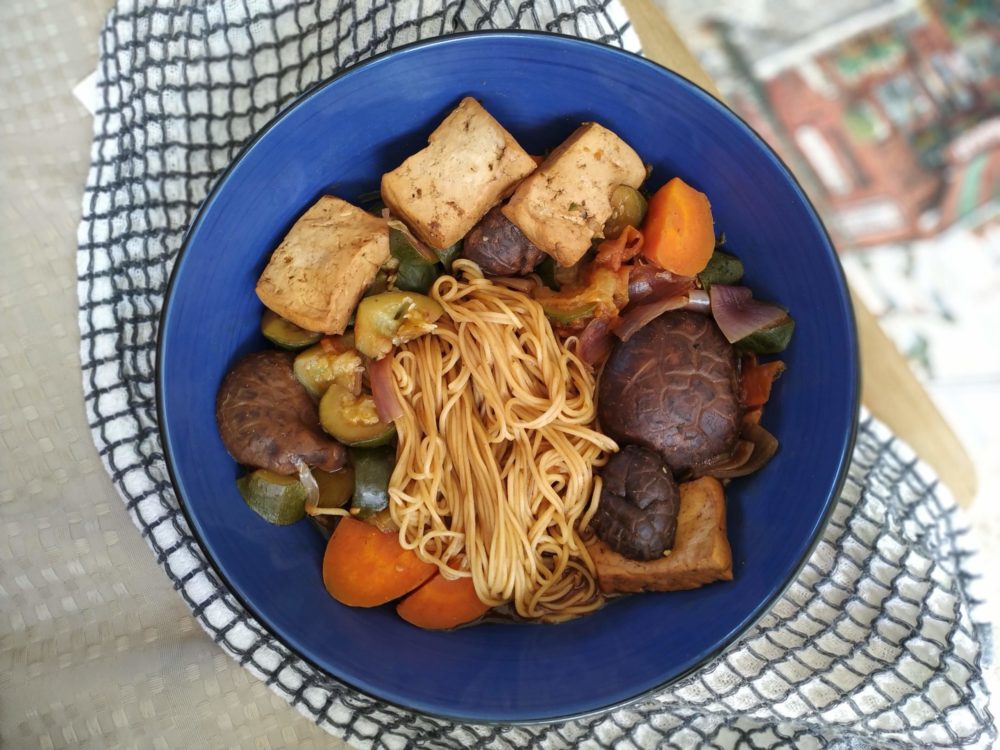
(284, 333)
(276, 498)
(353, 420)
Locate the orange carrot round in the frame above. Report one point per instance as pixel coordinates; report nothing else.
(442, 603)
(679, 232)
(365, 567)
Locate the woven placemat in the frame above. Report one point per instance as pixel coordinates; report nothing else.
(876, 644)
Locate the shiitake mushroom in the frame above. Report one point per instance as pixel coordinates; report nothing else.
(499, 247)
(268, 420)
(637, 514)
(673, 387)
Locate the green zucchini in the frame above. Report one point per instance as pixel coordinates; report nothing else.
(385, 320)
(317, 368)
(770, 340)
(352, 419)
(284, 333)
(372, 469)
(628, 208)
(722, 268)
(335, 490)
(276, 498)
(379, 284)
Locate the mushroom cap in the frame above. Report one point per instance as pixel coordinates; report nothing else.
(673, 388)
(637, 513)
(268, 420)
(499, 248)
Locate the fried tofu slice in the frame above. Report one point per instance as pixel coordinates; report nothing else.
(701, 552)
(323, 266)
(562, 207)
(470, 163)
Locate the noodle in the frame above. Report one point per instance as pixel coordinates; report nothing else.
(494, 470)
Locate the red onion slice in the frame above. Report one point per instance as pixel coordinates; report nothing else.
(738, 314)
(765, 445)
(308, 481)
(737, 459)
(646, 283)
(595, 341)
(387, 405)
(636, 317)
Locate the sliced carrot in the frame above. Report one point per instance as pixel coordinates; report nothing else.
(756, 382)
(442, 603)
(624, 247)
(679, 232)
(365, 567)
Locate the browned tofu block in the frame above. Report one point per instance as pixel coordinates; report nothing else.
(564, 204)
(469, 165)
(701, 552)
(323, 266)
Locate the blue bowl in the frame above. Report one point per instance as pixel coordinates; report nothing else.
(339, 138)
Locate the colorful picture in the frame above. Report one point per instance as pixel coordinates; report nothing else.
(888, 113)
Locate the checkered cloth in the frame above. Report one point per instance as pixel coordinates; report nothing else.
(877, 644)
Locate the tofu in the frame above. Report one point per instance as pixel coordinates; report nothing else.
(469, 165)
(320, 270)
(701, 552)
(564, 204)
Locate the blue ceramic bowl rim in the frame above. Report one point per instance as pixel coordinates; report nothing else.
(694, 89)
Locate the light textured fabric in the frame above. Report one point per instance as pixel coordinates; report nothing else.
(877, 642)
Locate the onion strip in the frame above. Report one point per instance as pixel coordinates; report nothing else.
(309, 482)
(387, 403)
(738, 314)
(639, 316)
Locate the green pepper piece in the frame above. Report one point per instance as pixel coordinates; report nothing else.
(412, 277)
(372, 469)
(276, 498)
(771, 340)
(722, 268)
(415, 272)
(566, 315)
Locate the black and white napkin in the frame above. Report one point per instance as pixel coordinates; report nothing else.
(877, 644)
